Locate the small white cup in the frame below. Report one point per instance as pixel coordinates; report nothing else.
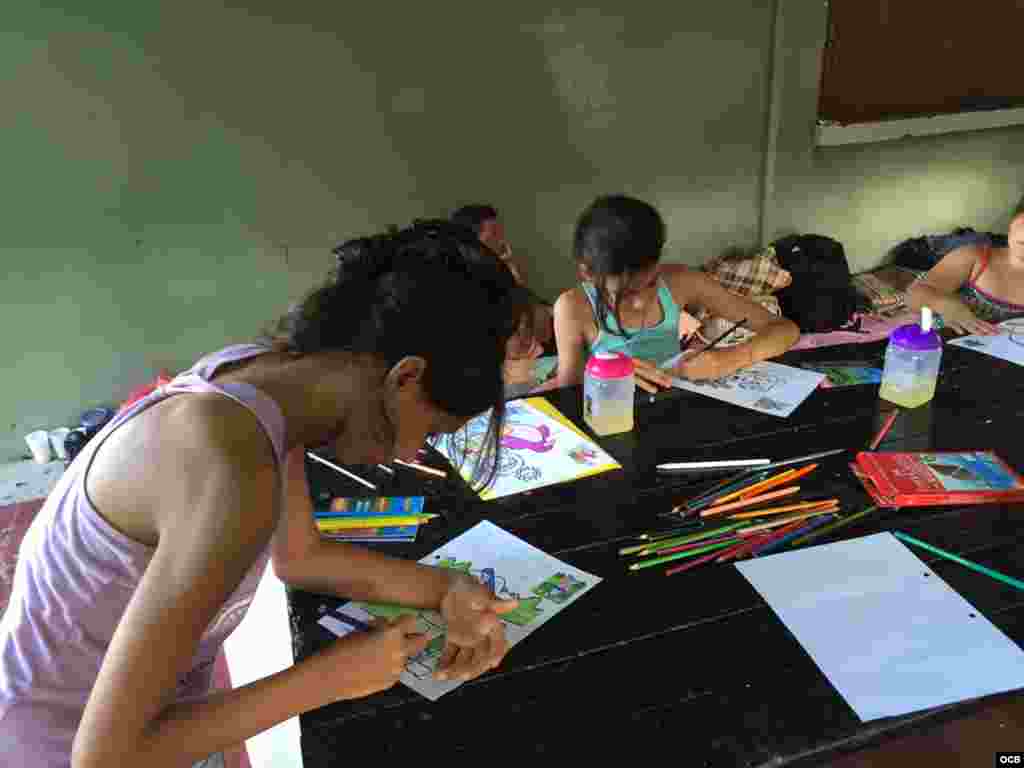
(57, 437)
(39, 444)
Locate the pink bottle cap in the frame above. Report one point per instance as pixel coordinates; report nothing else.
(610, 365)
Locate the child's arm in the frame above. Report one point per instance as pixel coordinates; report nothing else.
(571, 340)
(774, 334)
(937, 290)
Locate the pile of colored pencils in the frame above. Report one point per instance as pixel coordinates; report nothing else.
(754, 522)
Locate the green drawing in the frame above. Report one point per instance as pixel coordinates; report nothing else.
(527, 610)
(559, 588)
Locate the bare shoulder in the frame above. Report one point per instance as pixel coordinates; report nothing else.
(686, 283)
(172, 454)
(573, 304)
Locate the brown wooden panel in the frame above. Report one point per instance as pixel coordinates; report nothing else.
(905, 58)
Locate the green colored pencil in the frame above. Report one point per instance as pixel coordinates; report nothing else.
(963, 561)
(666, 543)
(681, 555)
(829, 528)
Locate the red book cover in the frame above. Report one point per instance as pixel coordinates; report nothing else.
(937, 477)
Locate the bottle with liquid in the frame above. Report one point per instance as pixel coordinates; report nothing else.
(912, 363)
(609, 387)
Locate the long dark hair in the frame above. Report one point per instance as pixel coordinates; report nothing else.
(617, 236)
(429, 290)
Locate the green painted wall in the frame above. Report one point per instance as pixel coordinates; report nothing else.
(173, 174)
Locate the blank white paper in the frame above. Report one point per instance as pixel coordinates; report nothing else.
(887, 632)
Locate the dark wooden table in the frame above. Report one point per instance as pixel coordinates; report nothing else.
(695, 667)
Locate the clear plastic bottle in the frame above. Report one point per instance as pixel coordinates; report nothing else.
(912, 362)
(609, 388)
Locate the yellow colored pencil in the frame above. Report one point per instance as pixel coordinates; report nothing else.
(794, 474)
(752, 529)
(804, 505)
(343, 523)
(749, 502)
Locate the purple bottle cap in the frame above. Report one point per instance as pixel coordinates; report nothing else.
(914, 337)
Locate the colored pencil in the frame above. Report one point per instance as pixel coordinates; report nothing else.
(719, 508)
(341, 523)
(684, 547)
(709, 498)
(764, 485)
(781, 541)
(792, 474)
(752, 529)
(331, 516)
(803, 505)
(884, 430)
(345, 472)
(680, 539)
(837, 524)
(386, 468)
(750, 543)
(808, 457)
(421, 468)
(717, 339)
(991, 573)
(678, 555)
(691, 564)
(689, 466)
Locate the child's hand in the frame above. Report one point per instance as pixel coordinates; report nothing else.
(649, 377)
(362, 663)
(713, 364)
(475, 641)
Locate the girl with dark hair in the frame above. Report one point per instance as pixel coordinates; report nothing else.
(630, 301)
(977, 286)
(146, 555)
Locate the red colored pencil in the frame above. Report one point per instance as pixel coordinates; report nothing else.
(884, 430)
(691, 564)
(748, 546)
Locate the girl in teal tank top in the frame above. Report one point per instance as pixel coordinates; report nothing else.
(629, 302)
(657, 343)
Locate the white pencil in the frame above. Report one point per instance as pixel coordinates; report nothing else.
(725, 464)
(421, 468)
(386, 468)
(345, 472)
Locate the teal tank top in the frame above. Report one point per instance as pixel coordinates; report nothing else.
(657, 343)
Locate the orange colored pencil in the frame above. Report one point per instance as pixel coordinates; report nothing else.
(751, 530)
(754, 487)
(804, 505)
(793, 474)
(748, 502)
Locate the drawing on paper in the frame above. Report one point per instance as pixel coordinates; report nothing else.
(974, 343)
(584, 454)
(769, 404)
(750, 380)
(538, 447)
(510, 567)
(528, 474)
(559, 588)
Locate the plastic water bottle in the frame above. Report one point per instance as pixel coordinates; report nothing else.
(912, 363)
(609, 387)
